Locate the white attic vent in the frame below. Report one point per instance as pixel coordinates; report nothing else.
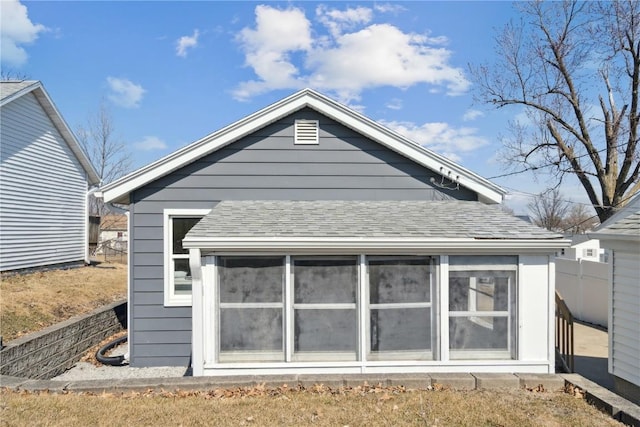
(306, 132)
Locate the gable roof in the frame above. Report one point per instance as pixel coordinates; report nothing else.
(118, 191)
(12, 90)
(623, 225)
(375, 225)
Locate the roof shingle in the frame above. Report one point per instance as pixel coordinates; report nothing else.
(363, 219)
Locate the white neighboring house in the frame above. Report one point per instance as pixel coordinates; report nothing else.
(583, 246)
(621, 234)
(113, 232)
(45, 177)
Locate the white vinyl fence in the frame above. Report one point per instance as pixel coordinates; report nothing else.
(584, 285)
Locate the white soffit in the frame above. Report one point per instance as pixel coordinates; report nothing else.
(120, 189)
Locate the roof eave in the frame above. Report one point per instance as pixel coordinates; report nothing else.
(119, 190)
(635, 237)
(378, 245)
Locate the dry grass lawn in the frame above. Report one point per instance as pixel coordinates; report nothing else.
(32, 301)
(370, 406)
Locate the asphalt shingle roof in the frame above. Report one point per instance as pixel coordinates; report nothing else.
(624, 223)
(363, 219)
(9, 88)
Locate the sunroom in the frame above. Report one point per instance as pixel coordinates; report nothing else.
(369, 287)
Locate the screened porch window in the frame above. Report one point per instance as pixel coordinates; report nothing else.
(251, 309)
(482, 307)
(324, 305)
(284, 309)
(401, 324)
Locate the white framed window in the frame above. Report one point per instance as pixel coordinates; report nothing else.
(177, 273)
(482, 307)
(402, 324)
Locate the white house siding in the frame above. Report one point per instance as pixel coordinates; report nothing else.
(625, 340)
(42, 192)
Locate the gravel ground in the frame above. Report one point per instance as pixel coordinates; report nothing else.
(87, 371)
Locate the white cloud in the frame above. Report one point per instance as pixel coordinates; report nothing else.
(16, 29)
(394, 104)
(124, 92)
(471, 115)
(440, 137)
(382, 55)
(337, 21)
(150, 143)
(389, 8)
(187, 42)
(267, 48)
(355, 55)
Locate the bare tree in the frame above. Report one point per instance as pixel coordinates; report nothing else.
(11, 75)
(109, 156)
(548, 210)
(574, 68)
(579, 219)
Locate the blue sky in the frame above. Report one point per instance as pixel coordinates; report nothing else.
(173, 72)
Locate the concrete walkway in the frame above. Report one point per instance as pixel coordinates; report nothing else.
(591, 349)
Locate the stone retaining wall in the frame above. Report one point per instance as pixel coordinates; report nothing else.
(53, 350)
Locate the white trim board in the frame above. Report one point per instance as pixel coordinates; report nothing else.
(376, 246)
(170, 298)
(120, 189)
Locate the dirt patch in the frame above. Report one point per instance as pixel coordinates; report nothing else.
(33, 301)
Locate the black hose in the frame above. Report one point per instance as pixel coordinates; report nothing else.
(111, 360)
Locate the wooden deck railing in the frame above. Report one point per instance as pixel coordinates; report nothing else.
(564, 333)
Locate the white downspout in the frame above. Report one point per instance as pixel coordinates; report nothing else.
(87, 224)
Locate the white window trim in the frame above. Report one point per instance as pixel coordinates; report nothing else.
(170, 297)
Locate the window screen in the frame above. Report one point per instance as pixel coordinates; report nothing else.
(482, 307)
(400, 311)
(251, 309)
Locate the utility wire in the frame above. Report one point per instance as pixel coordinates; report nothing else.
(524, 193)
(533, 168)
(595, 216)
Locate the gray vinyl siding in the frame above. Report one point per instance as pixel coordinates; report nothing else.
(42, 193)
(263, 166)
